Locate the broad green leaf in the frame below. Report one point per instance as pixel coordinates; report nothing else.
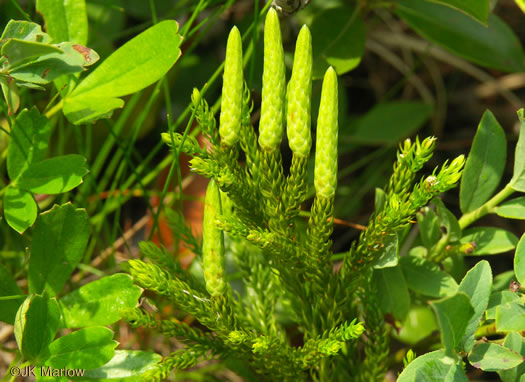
(493, 357)
(512, 209)
(418, 325)
(65, 20)
(485, 164)
(126, 365)
(426, 278)
(36, 324)
(59, 239)
(20, 209)
(519, 260)
(453, 315)
(87, 348)
(17, 51)
(84, 110)
(516, 343)
(8, 287)
(390, 122)
(478, 9)
(477, 285)
(455, 266)
(431, 367)
(100, 302)
(10, 92)
(497, 299)
(392, 291)
(489, 240)
(388, 255)
(518, 177)
(54, 175)
(24, 30)
(137, 64)
(510, 316)
(495, 46)
(28, 143)
(448, 220)
(49, 67)
(428, 227)
(338, 40)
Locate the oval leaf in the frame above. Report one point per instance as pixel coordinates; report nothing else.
(489, 240)
(477, 285)
(485, 164)
(54, 175)
(87, 348)
(126, 365)
(28, 143)
(477, 9)
(493, 357)
(137, 64)
(448, 220)
(20, 209)
(25, 30)
(389, 254)
(337, 40)
(434, 366)
(428, 227)
(100, 302)
(495, 46)
(59, 239)
(426, 278)
(510, 316)
(36, 324)
(16, 51)
(512, 209)
(497, 299)
(418, 325)
(516, 343)
(392, 291)
(453, 314)
(65, 20)
(49, 67)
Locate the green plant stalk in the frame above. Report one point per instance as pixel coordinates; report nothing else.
(487, 208)
(438, 253)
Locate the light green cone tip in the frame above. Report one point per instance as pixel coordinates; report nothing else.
(325, 173)
(274, 83)
(299, 92)
(232, 88)
(213, 243)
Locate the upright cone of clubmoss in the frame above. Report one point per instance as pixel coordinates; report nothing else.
(274, 83)
(325, 173)
(213, 243)
(232, 91)
(298, 97)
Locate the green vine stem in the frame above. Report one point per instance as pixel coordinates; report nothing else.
(439, 253)
(487, 208)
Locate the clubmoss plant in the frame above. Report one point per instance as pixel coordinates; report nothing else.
(287, 267)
